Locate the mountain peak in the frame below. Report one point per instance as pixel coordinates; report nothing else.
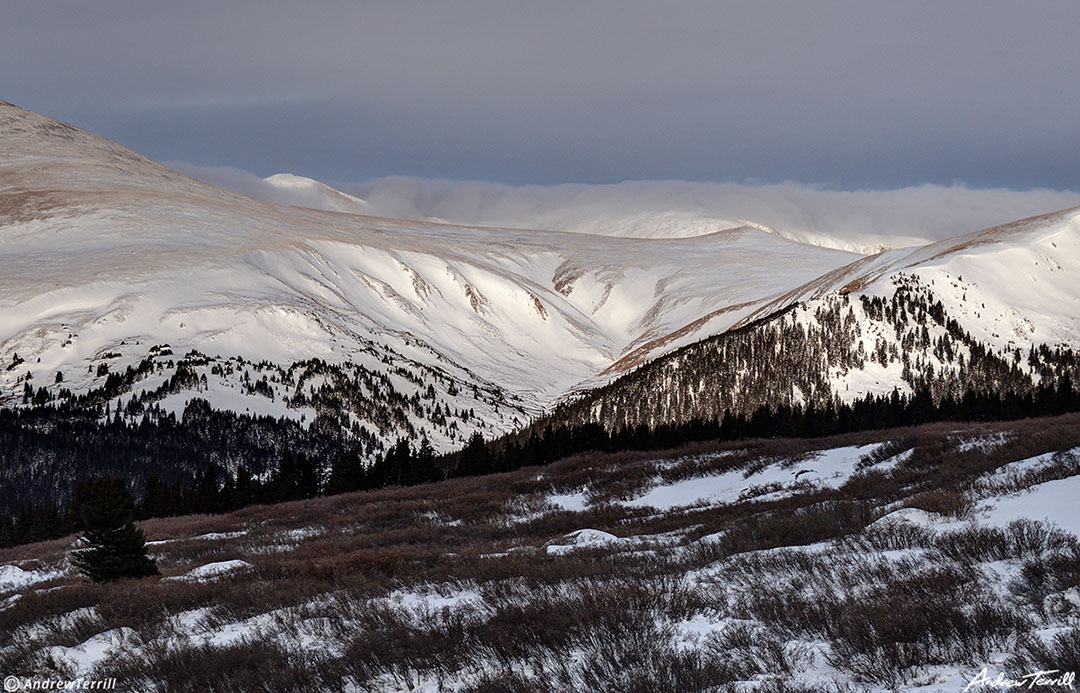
(308, 192)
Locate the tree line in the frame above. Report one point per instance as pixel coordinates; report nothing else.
(299, 475)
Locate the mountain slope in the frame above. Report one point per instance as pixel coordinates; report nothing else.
(109, 254)
(116, 266)
(993, 311)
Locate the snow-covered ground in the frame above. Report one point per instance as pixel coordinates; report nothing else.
(13, 577)
(662, 573)
(212, 571)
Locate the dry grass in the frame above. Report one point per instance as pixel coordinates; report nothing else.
(333, 561)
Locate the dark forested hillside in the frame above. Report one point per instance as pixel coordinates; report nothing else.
(44, 450)
(162, 416)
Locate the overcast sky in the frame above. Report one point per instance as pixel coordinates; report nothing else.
(852, 95)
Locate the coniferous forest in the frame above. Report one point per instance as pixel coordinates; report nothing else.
(298, 473)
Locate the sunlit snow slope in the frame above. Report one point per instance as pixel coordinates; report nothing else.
(105, 252)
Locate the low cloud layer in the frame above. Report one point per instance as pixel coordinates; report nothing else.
(854, 220)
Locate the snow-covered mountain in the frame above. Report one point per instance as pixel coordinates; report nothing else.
(994, 311)
(107, 254)
(306, 192)
(280, 188)
(110, 258)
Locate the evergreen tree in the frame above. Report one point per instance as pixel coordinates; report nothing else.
(247, 487)
(309, 475)
(155, 502)
(475, 457)
(346, 473)
(205, 494)
(424, 463)
(45, 521)
(117, 548)
(7, 531)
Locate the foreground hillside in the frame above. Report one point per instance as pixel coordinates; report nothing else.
(909, 558)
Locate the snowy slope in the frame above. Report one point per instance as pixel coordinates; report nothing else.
(1015, 285)
(1027, 273)
(107, 252)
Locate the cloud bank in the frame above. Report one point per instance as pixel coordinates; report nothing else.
(860, 220)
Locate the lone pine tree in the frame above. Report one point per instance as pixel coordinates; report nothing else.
(117, 548)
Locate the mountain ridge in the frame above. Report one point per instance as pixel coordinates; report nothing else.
(603, 293)
(110, 253)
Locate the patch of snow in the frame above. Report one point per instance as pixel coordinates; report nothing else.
(81, 659)
(1053, 501)
(212, 571)
(984, 442)
(573, 502)
(231, 633)
(428, 600)
(1014, 473)
(12, 577)
(914, 516)
(301, 533)
(191, 621)
(222, 535)
(825, 468)
(893, 462)
(582, 539)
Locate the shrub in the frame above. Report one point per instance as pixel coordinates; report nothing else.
(892, 536)
(1020, 539)
(947, 502)
(1041, 577)
(934, 617)
(885, 451)
(1060, 654)
(234, 668)
(745, 651)
(804, 526)
(389, 641)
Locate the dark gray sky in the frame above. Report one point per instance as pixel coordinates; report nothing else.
(855, 95)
